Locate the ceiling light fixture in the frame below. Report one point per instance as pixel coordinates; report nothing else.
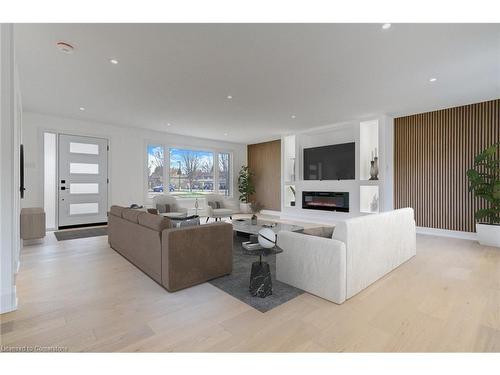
(65, 47)
(386, 26)
(113, 61)
(293, 116)
(225, 134)
(169, 124)
(82, 109)
(433, 79)
(229, 97)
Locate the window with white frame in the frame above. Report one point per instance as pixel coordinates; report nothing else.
(190, 172)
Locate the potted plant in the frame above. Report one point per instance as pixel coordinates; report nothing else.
(246, 188)
(255, 208)
(484, 180)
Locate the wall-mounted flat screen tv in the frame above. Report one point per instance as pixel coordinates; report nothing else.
(334, 162)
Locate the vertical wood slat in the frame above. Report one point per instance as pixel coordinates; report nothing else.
(432, 154)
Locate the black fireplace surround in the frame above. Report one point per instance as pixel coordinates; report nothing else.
(325, 201)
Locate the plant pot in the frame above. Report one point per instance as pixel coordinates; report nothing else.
(246, 208)
(488, 234)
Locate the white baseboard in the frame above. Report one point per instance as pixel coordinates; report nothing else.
(447, 233)
(8, 302)
(270, 212)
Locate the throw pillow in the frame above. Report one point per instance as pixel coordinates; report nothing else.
(218, 205)
(153, 211)
(212, 204)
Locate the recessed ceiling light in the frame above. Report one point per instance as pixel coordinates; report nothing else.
(293, 116)
(82, 108)
(225, 134)
(386, 26)
(433, 79)
(65, 47)
(169, 124)
(229, 97)
(113, 61)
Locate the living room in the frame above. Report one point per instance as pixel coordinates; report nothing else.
(240, 187)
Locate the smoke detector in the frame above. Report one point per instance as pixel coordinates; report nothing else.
(65, 47)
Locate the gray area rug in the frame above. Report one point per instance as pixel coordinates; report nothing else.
(237, 283)
(74, 234)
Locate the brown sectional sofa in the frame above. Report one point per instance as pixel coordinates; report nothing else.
(176, 258)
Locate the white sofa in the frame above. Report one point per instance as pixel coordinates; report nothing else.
(361, 251)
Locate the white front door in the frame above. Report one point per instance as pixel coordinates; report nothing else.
(83, 180)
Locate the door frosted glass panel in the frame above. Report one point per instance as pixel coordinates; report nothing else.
(83, 148)
(83, 168)
(84, 188)
(83, 208)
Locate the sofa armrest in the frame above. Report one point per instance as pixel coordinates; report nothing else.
(314, 264)
(193, 255)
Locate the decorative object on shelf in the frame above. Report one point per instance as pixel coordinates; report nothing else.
(484, 181)
(196, 206)
(374, 166)
(254, 219)
(374, 203)
(267, 238)
(245, 188)
(292, 189)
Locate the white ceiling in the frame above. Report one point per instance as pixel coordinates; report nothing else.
(322, 73)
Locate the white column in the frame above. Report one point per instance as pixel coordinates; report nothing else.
(9, 177)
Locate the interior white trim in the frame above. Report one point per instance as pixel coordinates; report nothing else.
(270, 212)
(447, 233)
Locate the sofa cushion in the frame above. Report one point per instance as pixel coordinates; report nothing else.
(212, 204)
(163, 207)
(155, 222)
(222, 212)
(131, 214)
(325, 232)
(116, 210)
(189, 222)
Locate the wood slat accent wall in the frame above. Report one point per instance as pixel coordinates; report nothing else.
(264, 160)
(432, 152)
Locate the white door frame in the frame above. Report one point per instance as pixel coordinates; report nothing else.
(41, 153)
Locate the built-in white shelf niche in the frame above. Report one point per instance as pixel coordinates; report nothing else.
(369, 201)
(368, 147)
(289, 165)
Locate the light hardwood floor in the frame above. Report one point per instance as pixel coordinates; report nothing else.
(82, 295)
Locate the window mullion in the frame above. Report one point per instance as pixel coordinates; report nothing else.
(216, 172)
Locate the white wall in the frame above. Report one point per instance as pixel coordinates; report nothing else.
(10, 135)
(127, 159)
(336, 134)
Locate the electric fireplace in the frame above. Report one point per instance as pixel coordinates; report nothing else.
(325, 201)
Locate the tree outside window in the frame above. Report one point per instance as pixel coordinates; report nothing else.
(155, 169)
(224, 174)
(191, 172)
